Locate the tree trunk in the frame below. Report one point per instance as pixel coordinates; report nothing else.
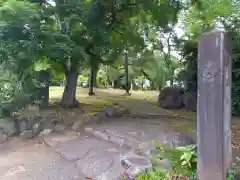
(91, 82)
(152, 85)
(69, 94)
(126, 74)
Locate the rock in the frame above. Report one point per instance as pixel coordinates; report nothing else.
(23, 125)
(78, 125)
(3, 137)
(190, 101)
(102, 116)
(174, 139)
(37, 128)
(134, 165)
(118, 113)
(59, 128)
(46, 132)
(110, 111)
(27, 134)
(171, 98)
(9, 126)
(125, 111)
(147, 148)
(51, 121)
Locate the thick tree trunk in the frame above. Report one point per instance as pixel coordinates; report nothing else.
(69, 94)
(126, 74)
(152, 85)
(93, 76)
(91, 83)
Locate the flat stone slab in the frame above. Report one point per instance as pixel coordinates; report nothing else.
(112, 164)
(79, 148)
(128, 134)
(27, 160)
(55, 139)
(102, 165)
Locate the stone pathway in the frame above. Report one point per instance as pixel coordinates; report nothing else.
(103, 151)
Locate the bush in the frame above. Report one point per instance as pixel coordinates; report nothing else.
(184, 165)
(16, 92)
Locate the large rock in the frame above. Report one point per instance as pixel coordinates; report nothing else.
(190, 101)
(135, 164)
(9, 126)
(110, 111)
(3, 136)
(171, 98)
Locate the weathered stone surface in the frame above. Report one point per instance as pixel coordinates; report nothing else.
(59, 128)
(23, 160)
(46, 132)
(171, 98)
(55, 139)
(147, 148)
(3, 137)
(80, 147)
(27, 134)
(110, 111)
(103, 164)
(125, 111)
(101, 116)
(37, 128)
(190, 101)
(23, 125)
(134, 165)
(8, 126)
(78, 125)
(174, 139)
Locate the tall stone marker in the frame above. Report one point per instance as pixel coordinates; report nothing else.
(214, 106)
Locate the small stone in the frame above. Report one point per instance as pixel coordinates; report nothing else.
(78, 125)
(3, 137)
(27, 134)
(59, 128)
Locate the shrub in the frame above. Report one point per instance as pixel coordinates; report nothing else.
(184, 164)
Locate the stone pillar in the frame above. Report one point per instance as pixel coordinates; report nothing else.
(214, 106)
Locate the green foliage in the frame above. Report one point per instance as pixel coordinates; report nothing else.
(155, 174)
(184, 164)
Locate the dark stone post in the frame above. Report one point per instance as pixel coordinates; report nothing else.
(214, 106)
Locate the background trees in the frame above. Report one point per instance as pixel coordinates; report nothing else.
(82, 42)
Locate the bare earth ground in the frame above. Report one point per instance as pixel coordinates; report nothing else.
(31, 160)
